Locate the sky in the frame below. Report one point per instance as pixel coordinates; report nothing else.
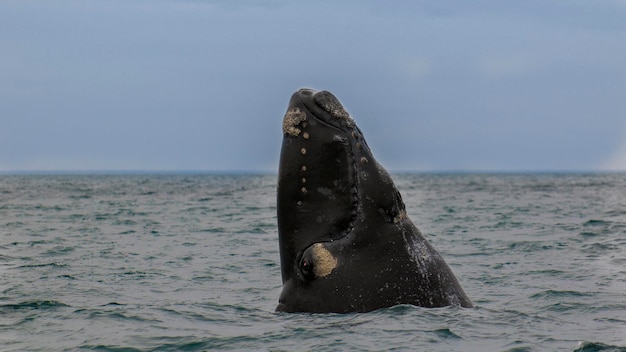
(446, 85)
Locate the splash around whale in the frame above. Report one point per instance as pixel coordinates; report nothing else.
(346, 242)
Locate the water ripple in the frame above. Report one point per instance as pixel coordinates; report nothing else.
(191, 262)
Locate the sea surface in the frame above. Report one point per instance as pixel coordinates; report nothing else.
(190, 263)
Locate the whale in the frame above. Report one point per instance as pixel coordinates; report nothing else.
(346, 243)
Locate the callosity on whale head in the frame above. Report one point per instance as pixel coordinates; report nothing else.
(346, 243)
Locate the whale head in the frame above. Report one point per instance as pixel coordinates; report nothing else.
(328, 184)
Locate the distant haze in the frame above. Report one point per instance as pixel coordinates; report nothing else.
(203, 85)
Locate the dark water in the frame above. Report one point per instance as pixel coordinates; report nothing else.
(191, 262)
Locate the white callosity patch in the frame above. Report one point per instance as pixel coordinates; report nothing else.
(324, 261)
(331, 105)
(401, 216)
(293, 123)
(292, 119)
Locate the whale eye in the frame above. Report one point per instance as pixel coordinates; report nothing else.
(306, 268)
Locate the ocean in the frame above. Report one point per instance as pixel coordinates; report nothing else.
(184, 262)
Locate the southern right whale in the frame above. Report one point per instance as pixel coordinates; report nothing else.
(346, 242)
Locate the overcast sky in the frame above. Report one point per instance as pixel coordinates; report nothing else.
(203, 85)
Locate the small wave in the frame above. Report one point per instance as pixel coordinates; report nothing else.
(59, 250)
(560, 294)
(56, 265)
(530, 246)
(616, 212)
(184, 344)
(140, 274)
(519, 349)
(397, 310)
(33, 305)
(548, 272)
(67, 276)
(585, 346)
(213, 230)
(445, 334)
(80, 196)
(596, 249)
(14, 224)
(116, 315)
(228, 307)
(207, 344)
(254, 231)
(107, 348)
(589, 234)
(596, 222)
(49, 208)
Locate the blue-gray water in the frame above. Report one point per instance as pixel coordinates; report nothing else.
(191, 262)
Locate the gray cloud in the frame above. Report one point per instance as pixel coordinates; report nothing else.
(203, 85)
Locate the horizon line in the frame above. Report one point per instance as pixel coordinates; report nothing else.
(274, 172)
